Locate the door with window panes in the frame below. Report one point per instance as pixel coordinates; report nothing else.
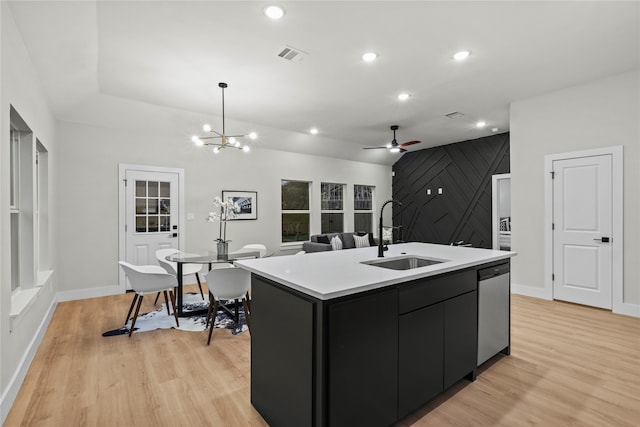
(152, 214)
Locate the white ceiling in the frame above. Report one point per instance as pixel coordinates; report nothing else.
(143, 64)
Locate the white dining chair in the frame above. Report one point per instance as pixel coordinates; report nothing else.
(146, 279)
(228, 283)
(171, 267)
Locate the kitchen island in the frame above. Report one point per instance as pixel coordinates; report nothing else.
(336, 341)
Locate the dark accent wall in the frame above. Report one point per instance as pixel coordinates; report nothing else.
(463, 170)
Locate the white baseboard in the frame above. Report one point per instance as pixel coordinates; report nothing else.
(530, 291)
(627, 309)
(88, 293)
(11, 392)
(624, 308)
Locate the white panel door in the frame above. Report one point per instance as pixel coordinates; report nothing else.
(151, 214)
(582, 230)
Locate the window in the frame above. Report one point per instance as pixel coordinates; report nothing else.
(332, 208)
(30, 256)
(14, 166)
(296, 213)
(153, 206)
(14, 170)
(363, 208)
(21, 195)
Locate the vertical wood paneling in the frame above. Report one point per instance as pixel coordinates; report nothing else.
(463, 170)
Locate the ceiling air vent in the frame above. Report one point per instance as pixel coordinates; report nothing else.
(454, 115)
(292, 54)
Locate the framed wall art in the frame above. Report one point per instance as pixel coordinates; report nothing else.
(247, 200)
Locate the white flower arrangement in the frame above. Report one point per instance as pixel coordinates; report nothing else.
(225, 211)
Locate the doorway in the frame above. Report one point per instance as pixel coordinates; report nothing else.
(501, 211)
(584, 223)
(151, 202)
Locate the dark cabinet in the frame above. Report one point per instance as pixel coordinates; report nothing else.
(460, 337)
(363, 360)
(421, 354)
(437, 337)
(281, 355)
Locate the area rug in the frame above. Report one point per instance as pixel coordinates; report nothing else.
(159, 319)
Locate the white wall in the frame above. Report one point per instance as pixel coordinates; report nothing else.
(19, 86)
(88, 206)
(599, 114)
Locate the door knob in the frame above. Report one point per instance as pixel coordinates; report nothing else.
(173, 235)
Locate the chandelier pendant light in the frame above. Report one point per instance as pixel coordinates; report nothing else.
(221, 140)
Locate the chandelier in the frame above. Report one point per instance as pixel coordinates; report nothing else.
(221, 140)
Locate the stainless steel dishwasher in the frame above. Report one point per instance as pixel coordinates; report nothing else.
(494, 323)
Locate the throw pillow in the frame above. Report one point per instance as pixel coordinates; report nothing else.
(361, 241)
(323, 238)
(336, 243)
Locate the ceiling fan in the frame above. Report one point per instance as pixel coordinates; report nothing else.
(393, 146)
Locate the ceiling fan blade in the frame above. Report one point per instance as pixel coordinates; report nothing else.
(374, 148)
(406, 144)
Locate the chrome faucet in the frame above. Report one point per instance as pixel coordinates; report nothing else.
(381, 246)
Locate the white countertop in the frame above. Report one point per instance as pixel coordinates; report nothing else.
(331, 274)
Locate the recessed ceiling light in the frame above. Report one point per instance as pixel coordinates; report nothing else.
(462, 55)
(403, 96)
(481, 124)
(369, 56)
(495, 129)
(313, 131)
(274, 12)
(253, 135)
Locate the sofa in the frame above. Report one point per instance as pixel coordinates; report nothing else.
(322, 242)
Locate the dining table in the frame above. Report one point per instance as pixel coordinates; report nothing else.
(210, 258)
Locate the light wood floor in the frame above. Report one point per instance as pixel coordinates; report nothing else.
(570, 366)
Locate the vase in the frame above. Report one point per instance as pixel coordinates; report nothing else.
(223, 249)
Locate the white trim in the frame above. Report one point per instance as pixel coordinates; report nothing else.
(617, 236)
(20, 300)
(530, 291)
(122, 171)
(79, 294)
(628, 309)
(11, 391)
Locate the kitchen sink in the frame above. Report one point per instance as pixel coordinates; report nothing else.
(404, 262)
